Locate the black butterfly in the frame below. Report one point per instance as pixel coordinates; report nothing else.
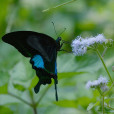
(42, 49)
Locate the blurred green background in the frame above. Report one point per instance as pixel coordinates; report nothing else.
(17, 78)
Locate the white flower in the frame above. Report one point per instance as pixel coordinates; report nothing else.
(79, 45)
(101, 82)
(88, 85)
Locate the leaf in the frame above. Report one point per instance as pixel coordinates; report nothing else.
(66, 103)
(4, 77)
(18, 72)
(5, 110)
(83, 101)
(4, 89)
(33, 82)
(69, 74)
(91, 105)
(19, 87)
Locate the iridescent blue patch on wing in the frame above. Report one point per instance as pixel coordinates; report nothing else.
(38, 61)
(55, 68)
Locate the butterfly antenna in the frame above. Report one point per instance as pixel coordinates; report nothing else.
(62, 32)
(54, 28)
(66, 42)
(56, 95)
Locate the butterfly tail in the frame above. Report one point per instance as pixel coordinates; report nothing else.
(37, 87)
(56, 95)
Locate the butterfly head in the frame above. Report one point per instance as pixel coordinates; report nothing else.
(59, 45)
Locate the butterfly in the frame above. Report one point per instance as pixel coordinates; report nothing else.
(42, 50)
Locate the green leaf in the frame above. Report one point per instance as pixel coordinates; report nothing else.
(18, 72)
(4, 89)
(19, 87)
(33, 82)
(66, 103)
(69, 74)
(5, 110)
(83, 101)
(91, 105)
(4, 77)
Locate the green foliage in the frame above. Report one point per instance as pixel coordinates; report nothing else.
(19, 87)
(17, 78)
(4, 89)
(33, 82)
(5, 110)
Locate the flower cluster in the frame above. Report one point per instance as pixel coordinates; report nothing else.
(101, 82)
(79, 45)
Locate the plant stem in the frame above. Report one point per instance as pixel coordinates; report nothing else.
(109, 89)
(43, 94)
(104, 52)
(20, 99)
(34, 106)
(59, 5)
(99, 91)
(103, 104)
(35, 110)
(104, 64)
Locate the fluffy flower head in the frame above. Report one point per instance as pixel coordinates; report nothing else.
(101, 82)
(79, 45)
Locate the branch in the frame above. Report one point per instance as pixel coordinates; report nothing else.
(11, 94)
(43, 94)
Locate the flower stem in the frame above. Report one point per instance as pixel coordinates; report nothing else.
(108, 89)
(99, 91)
(104, 52)
(104, 64)
(103, 104)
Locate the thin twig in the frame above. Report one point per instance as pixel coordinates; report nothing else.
(43, 94)
(58, 6)
(11, 94)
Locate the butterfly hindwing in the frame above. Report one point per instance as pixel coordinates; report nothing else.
(44, 74)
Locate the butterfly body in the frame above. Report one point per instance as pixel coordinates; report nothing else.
(42, 49)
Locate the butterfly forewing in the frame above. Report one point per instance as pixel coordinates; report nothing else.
(20, 41)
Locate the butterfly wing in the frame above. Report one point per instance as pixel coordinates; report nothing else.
(42, 50)
(21, 40)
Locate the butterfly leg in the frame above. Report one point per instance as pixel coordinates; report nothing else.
(61, 45)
